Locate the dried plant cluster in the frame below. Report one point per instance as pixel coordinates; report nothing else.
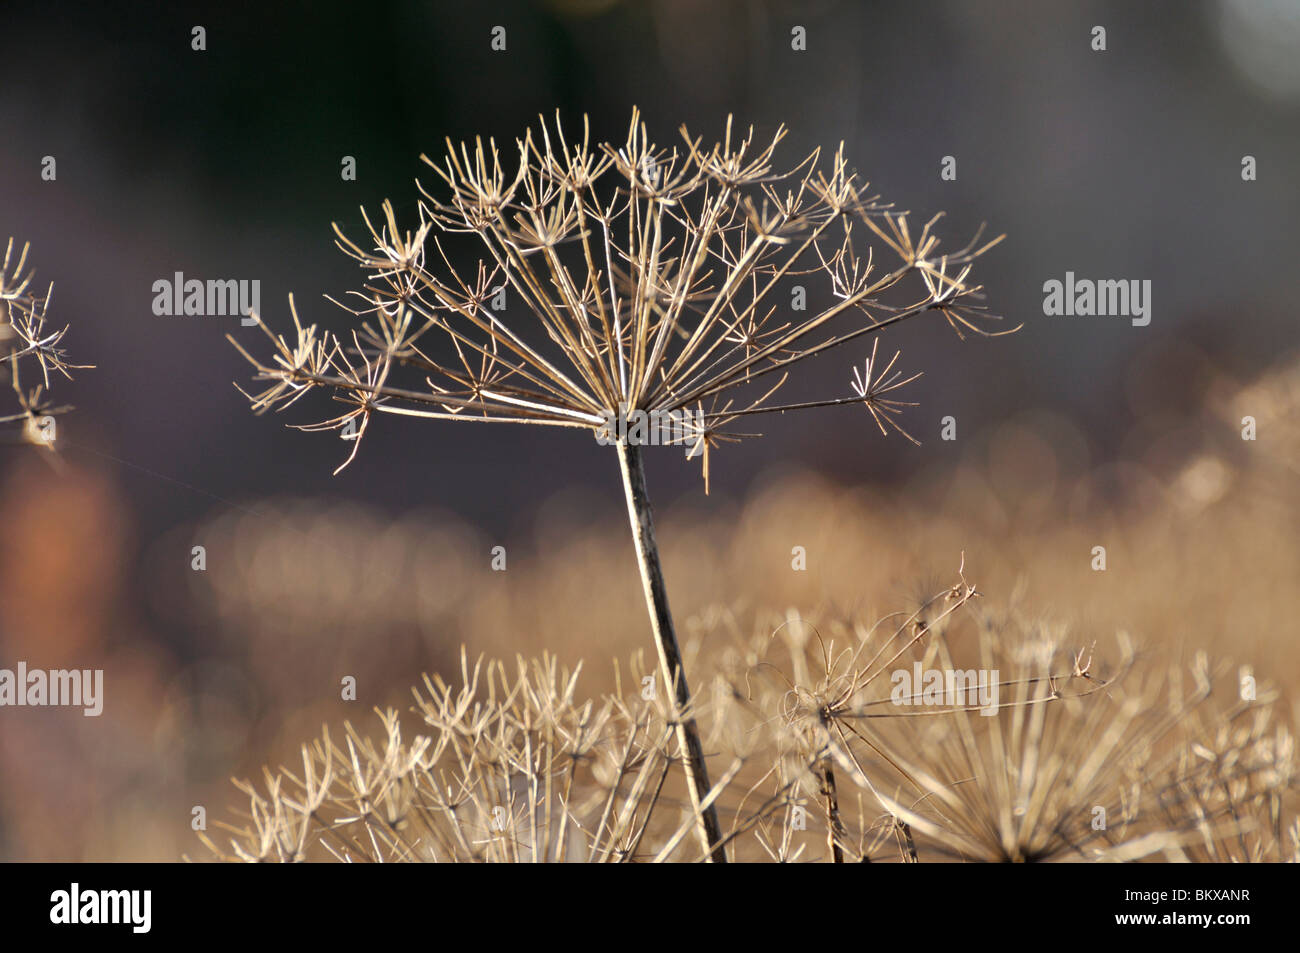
(24, 337)
(647, 283)
(1082, 760)
(639, 277)
(512, 767)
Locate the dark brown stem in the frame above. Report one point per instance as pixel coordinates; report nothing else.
(906, 830)
(670, 656)
(831, 804)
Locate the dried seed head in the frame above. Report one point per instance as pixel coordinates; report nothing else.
(624, 276)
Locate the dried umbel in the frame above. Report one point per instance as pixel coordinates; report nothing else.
(1144, 760)
(1082, 754)
(510, 765)
(24, 337)
(625, 284)
(836, 699)
(647, 279)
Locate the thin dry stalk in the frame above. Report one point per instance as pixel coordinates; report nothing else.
(670, 656)
(831, 804)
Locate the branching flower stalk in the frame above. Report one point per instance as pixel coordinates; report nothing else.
(624, 280)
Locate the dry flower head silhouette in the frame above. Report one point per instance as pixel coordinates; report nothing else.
(639, 279)
(24, 336)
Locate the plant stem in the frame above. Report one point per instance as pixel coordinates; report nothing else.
(906, 830)
(831, 804)
(670, 656)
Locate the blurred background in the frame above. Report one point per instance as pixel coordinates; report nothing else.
(225, 163)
